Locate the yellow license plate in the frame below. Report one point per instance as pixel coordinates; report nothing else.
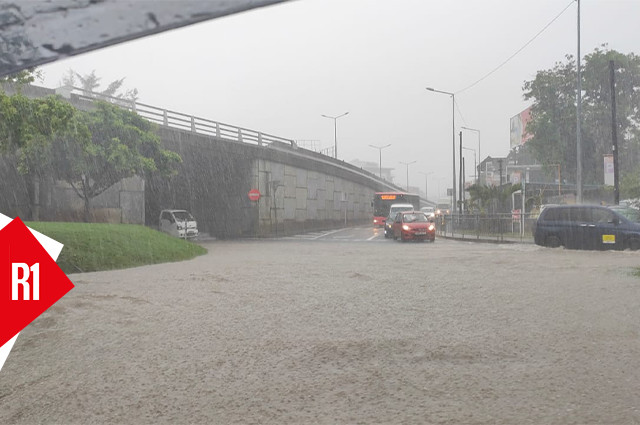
(608, 238)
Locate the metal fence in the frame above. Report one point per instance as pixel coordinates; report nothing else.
(494, 227)
(186, 122)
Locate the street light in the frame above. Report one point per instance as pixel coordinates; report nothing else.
(407, 164)
(475, 165)
(335, 132)
(426, 184)
(453, 135)
(479, 154)
(380, 151)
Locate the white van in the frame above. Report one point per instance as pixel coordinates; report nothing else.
(178, 223)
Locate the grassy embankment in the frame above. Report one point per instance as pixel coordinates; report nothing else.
(99, 246)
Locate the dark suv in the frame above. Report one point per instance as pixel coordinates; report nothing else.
(585, 227)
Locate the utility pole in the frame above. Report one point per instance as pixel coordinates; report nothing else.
(614, 134)
(462, 194)
(461, 177)
(578, 121)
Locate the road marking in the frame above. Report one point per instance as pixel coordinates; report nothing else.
(374, 236)
(328, 233)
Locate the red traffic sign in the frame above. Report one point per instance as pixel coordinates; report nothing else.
(254, 194)
(31, 281)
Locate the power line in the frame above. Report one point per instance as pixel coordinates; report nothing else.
(519, 50)
(460, 112)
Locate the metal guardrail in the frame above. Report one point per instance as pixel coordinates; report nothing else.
(495, 227)
(186, 122)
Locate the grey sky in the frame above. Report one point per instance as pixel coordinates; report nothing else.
(277, 69)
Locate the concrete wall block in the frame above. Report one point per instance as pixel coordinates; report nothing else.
(290, 171)
(132, 206)
(338, 185)
(312, 209)
(301, 198)
(110, 198)
(301, 177)
(328, 206)
(321, 196)
(277, 171)
(329, 187)
(301, 215)
(337, 200)
(290, 186)
(132, 184)
(289, 212)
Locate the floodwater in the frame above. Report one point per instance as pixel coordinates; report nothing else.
(312, 331)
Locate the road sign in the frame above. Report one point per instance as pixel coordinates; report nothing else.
(254, 194)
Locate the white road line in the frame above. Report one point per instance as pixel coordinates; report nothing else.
(372, 237)
(328, 233)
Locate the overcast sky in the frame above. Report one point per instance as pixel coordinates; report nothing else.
(277, 69)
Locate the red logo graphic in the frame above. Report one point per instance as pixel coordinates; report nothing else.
(31, 281)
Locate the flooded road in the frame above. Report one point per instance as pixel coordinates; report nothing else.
(339, 329)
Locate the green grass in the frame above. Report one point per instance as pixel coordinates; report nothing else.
(99, 246)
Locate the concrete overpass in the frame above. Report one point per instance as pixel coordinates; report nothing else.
(300, 189)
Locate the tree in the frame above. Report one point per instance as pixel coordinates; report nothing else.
(106, 146)
(490, 199)
(90, 83)
(26, 127)
(98, 149)
(25, 121)
(553, 113)
(26, 76)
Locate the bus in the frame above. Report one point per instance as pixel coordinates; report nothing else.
(383, 200)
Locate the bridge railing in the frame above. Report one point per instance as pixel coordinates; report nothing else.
(186, 122)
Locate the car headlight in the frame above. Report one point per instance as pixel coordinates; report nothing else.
(431, 227)
(405, 227)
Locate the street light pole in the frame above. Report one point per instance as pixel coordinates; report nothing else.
(453, 135)
(407, 164)
(335, 132)
(479, 153)
(578, 120)
(426, 184)
(380, 152)
(474, 162)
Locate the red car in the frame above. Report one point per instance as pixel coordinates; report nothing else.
(413, 225)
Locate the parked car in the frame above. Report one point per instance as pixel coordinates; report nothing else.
(178, 223)
(585, 227)
(393, 210)
(413, 225)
